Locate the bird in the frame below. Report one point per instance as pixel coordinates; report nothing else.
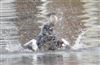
(46, 39)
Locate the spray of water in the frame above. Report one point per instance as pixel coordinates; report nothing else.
(78, 43)
(91, 10)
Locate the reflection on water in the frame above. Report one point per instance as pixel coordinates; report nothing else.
(84, 57)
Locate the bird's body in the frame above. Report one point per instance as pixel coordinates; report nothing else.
(46, 40)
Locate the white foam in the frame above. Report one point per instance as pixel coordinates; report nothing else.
(34, 44)
(65, 42)
(13, 47)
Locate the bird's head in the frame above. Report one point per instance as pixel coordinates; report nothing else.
(52, 17)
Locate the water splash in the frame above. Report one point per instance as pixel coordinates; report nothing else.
(65, 42)
(32, 45)
(91, 10)
(13, 47)
(78, 43)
